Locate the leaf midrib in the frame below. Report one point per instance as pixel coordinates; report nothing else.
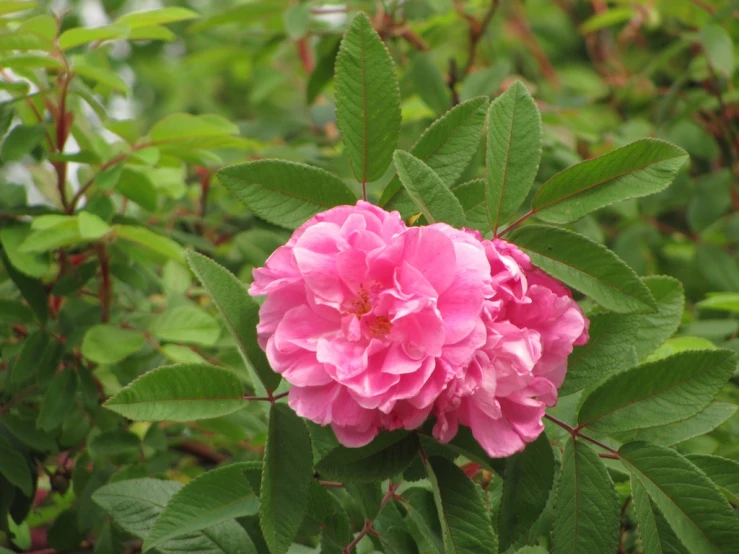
(505, 170)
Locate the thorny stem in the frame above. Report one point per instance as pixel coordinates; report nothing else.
(389, 495)
(575, 432)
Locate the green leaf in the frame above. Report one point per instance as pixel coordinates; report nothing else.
(429, 83)
(30, 357)
(31, 289)
(472, 197)
(297, 20)
(718, 267)
(135, 505)
(91, 227)
(239, 312)
(24, 40)
(723, 472)
(13, 311)
(31, 264)
(286, 478)
(148, 239)
(700, 517)
(609, 350)
(188, 324)
(657, 393)
(109, 344)
(424, 522)
(30, 61)
(532, 550)
(586, 512)
(182, 127)
(14, 468)
(20, 141)
(586, 266)
(285, 193)
(656, 535)
(386, 456)
(447, 147)
(673, 433)
(367, 100)
(58, 401)
(655, 328)
(181, 392)
(465, 525)
(637, 169)
(719, 48)
(12, 6)
(607, 18)
(79, 36)
(136, 20)
(720, 301)
(529, 477)
(513, 152)
(218, 495)
(427, 190)
(99, 74)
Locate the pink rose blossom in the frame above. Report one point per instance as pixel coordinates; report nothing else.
(379, 326)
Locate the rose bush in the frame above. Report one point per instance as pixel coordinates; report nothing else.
(378, 326)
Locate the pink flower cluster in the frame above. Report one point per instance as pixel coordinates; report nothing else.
(379, 326)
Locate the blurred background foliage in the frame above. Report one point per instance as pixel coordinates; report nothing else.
(104, 180)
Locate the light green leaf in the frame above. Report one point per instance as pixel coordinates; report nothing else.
(513, 152)
(150, 240)
(31, 289)
(239, 311)
(109, 344)
(181, 392)
(285, 193)
(79, 36)
(586, 512)
(367, 100)
(607, 18)
(465, 524)
(427, 190)
(218, 495)
(529, 477)
(135, 505)
(723, 472)
(680, 344)
(586, 266)
(64, 232)
(58, 401)
(31, 264)
(99, 74)
(721, 301)
(136, 20)
(658, 393)
(673, 433)
(447, 147)
(297, 20)
(30, 61)
(286, 478)
(656, 535)
(20, 141)
(609, 350)
(14, 468)
(24, 40)
(12, 6)
(91, 226)
(181, 127)
(655, 328)
(188, 324)
(429, 83)
(155, 32)
(700, 517)
(637, 169)
(719, 48)
(386, 456)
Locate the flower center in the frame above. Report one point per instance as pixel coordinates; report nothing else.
(380, 327)
(361, 305)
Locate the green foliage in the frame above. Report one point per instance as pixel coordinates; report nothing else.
(141, 182)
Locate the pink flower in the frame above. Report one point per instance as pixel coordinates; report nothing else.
(531, 324)
(369, 320)
(379, 326)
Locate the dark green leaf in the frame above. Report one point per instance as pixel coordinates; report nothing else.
(285, 193)
(367, 100)
(21, 140)
(656, 535)
(722, 471)
(108, 344)
(58, 400)
(14, 467)
(183, 392)
(586, 266)
(586, 512)
(286, 478)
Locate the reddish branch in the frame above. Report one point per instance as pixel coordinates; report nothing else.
(389, 495)
(576, 432)
(106, 289)
(476, 31)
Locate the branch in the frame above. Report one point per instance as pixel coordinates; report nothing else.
(368, 523)
(575, 432)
